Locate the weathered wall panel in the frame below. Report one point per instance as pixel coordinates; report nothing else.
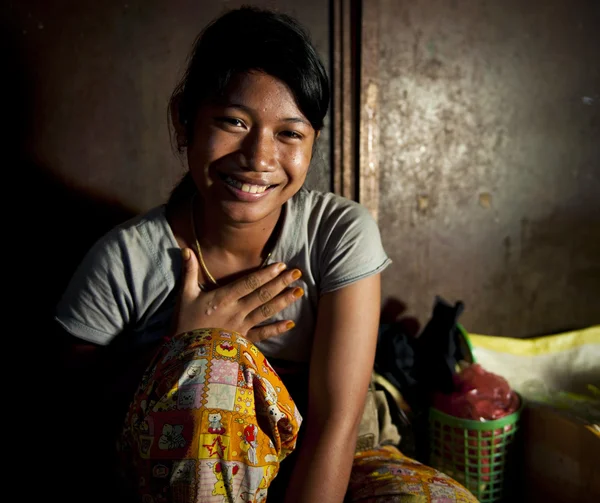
(489, 155)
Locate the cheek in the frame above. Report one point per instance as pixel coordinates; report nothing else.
(209, 145)
(299, 161)
(198, 154)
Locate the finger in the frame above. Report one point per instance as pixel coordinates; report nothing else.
(271, 308)
(265, 331)
(242, 287)
(269, 291)
(190, 288)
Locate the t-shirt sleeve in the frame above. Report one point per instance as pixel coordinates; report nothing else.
(351, 248)
(98, 302)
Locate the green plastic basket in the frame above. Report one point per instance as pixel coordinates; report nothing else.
(475, 453)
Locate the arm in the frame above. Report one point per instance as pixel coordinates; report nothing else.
(340, 370)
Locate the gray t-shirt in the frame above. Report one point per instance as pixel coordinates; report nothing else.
(128, 282)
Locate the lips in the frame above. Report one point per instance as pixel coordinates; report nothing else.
(244, 189)
(244, 186)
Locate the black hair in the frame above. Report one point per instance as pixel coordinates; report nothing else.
(244, 40)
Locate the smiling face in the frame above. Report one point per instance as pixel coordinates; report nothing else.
(251, 149)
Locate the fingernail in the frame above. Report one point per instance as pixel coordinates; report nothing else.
(296, 274)
(289, 325)
(186, 254)
(298, 292)
(281, 267)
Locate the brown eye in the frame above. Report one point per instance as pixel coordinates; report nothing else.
(231, 121)
(292, 134)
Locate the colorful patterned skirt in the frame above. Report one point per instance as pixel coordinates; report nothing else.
(211, 422)
(385, 475)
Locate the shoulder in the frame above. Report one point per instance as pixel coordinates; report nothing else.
(343, 238)
(139, 235)
(327, 210)
(150, 224)
(135, 248)
(120, 278)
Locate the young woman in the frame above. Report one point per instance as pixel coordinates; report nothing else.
(242, 277)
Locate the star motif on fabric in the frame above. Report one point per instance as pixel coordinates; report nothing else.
(216, 448)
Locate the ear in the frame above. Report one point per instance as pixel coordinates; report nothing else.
(176, 121)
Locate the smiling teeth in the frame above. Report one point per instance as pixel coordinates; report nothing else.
(245, 187)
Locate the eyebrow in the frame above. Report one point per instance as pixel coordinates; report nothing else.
(296, 119)
(249, 110)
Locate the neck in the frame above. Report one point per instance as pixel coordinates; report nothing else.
(242, 242)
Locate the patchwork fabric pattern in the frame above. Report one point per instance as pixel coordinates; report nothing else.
(210, 422)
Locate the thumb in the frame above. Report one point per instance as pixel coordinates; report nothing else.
(190, 286)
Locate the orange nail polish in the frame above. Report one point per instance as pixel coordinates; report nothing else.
(281, 267)
(298, 292)
(289, 325)
(297, 274)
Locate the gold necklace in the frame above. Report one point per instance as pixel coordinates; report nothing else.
(199, 250)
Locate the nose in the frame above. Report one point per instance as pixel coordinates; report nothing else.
(260, 150)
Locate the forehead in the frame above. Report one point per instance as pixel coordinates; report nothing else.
(262, 93)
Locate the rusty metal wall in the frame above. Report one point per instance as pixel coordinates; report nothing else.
(489, 159)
